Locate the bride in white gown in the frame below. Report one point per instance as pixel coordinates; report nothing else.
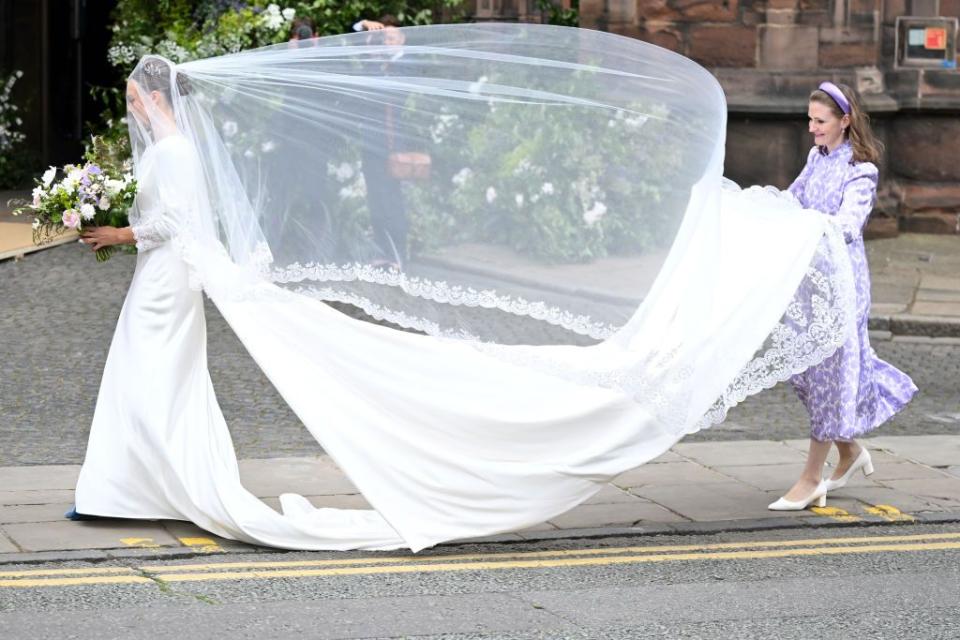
(446, 436)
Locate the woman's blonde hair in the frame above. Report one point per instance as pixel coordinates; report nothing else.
(866, 146)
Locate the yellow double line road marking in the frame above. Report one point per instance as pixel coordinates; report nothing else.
(763, 549)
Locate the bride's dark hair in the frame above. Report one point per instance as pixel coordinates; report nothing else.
(153, 74)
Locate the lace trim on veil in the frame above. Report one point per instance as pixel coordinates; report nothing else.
(807, 334)
(436, 291)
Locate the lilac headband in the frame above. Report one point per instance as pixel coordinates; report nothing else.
(834, 92)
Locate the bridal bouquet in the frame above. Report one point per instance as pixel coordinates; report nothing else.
(96, 193)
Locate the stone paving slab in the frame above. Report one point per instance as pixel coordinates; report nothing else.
(758, 452)
(713, 501)
(108, 534)
(904, 471)
(612, 494)
(683, 472)
(602, 515)
(944, 490)
(905, 502)
(39, 477)
(6, 546)
(53, 512)
(774, 477)
(36, 497)
(934, 451)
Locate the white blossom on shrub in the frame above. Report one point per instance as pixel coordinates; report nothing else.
(594, 213)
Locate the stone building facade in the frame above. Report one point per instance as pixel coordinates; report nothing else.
(769, 54)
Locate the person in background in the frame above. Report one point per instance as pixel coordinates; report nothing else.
(853, 391)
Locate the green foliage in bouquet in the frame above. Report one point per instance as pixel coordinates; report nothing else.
(98, 193)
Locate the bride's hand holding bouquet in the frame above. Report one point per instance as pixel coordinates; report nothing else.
(92, 198)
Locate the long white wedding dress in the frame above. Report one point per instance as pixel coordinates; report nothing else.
(446, 438)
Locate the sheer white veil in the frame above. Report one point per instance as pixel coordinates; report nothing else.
(518, 185)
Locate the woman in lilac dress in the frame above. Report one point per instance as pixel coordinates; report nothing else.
(853, 391)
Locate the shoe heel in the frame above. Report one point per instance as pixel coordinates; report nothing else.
(822, 501)
(868, 468)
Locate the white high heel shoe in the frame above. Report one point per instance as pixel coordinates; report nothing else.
(863, 461)
(819, 496)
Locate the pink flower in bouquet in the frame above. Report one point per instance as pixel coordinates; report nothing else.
(71, 219)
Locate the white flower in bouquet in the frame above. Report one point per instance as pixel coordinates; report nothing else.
(71, 219)
(104, 203)
(72, 181)
(113, 187)
(48, 177)
(547, 188)
(289, 14)
(87, 211)
(38, 194)
(491, 195)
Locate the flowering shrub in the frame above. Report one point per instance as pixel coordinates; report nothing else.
(10, 136)
(515, 189)
(100, 192)
(183, 30)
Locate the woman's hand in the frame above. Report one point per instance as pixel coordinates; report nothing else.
(101, 237)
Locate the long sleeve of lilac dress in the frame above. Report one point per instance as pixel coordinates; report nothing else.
(853, 391)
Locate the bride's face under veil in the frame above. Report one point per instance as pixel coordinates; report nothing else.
(150, 111)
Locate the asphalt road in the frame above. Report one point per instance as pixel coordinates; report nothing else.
(57, 315)
(890, 582)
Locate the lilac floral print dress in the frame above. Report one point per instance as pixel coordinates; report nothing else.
(853, 391)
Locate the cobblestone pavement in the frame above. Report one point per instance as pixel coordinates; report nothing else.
(57, 315)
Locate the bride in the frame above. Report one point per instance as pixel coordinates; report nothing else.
(672, 300)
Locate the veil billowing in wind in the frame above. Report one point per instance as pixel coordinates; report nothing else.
(536, 170)
(547, 203)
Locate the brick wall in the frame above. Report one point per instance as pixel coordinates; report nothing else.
(769, 54)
